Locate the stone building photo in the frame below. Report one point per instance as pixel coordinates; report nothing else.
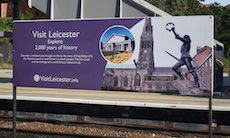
(145, 77)
(117, 44)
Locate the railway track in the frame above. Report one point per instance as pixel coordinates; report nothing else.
(7, 133)
(35, 129)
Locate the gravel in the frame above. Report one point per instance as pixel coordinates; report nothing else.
(96, 130)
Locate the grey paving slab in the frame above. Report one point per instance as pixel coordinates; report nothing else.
(156, 100)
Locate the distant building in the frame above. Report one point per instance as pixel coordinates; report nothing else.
(203, 64)
(204, 5)
(6, 9)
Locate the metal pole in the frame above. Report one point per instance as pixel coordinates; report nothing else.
(14, 110)
(15, 17)
(210, 98)
(16, 9)
(210, 116)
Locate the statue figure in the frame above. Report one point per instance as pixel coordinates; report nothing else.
(185, 58)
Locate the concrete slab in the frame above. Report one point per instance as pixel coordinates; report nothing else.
(6, 73)
(155, 100)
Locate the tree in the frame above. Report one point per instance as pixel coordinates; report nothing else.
(6, 24)
(194, 7)
(223, 33)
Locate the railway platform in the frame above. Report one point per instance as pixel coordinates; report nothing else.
(172, 111)
(117, 98)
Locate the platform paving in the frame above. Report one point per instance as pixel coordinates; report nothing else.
(155, 100)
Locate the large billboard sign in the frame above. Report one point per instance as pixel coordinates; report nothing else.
(132, 54)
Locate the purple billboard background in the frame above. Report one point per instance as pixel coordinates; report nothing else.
(86, 75)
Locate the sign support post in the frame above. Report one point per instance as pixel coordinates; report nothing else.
(14, 110)
(16, 16)
(210, 114)
(210, 117)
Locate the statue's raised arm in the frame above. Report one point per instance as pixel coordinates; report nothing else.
(185, 58)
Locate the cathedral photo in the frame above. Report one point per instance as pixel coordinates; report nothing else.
(146, 77)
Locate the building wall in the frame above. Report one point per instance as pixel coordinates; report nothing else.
(7, 9)
(125, 46)
(116, 39)
(119, 79)
(4, 7)
(136, 80)
(204, 75)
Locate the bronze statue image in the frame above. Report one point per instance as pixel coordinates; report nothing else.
(185, 58)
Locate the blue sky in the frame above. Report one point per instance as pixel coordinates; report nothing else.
(115, 30)
(222, 2)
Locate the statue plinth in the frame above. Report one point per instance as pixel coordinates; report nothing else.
(186, 87)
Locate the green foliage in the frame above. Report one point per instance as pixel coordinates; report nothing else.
(194, 7)
(177, 7)
(1, 61)
(27, 15)
(4, 65)
(223, 32)
(105, 53)
(6, 24)
(227, 63)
